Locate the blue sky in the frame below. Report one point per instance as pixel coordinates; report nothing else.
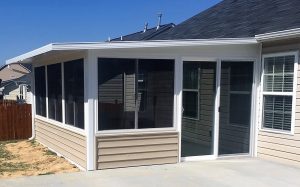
(29, 24)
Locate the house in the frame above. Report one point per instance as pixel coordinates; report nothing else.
(222, 83)
(16, 82)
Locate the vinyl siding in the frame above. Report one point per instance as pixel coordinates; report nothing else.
(115, 151)
(12, 95)
(67, 143)
(159, 91)
(129, 92)
(278, 147)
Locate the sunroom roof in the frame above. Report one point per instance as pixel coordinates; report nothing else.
(24, 58)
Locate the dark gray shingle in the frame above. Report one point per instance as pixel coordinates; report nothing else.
(148, 35)
(237, 19)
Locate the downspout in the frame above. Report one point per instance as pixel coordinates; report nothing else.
(32, 104)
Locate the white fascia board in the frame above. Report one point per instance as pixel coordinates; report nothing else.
(272, 36)
(130, 45)
(30, 54)
(151, 44)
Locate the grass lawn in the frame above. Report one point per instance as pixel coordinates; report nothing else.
(29, 158)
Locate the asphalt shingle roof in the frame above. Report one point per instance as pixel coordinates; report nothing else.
(237, 19)
(148, 35)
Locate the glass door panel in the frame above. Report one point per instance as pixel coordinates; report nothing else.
(235, 107)
(198, 101)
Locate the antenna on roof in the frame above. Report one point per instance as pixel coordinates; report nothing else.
(159, 20)
(146, 27)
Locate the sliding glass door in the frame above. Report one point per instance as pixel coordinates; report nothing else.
(235, 107)
(198, 98)
(231, 88)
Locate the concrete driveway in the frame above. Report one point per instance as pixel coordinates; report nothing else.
(231, 172)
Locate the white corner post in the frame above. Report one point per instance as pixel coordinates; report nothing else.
(178, 100)
(217, 106)
(32, 76)
(90, 98)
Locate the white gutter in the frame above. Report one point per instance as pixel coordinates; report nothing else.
(130, 45)
(273, 36)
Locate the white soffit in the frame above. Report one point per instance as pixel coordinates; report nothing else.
(272, 36)
(130, 45)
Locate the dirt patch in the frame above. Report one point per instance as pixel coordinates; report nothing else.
(29, 158)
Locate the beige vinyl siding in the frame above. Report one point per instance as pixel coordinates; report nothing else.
(67, 143)
(111, 90)
(129, 84)
(278, 147)
(115, 151)
(159, 91)
(12, 95)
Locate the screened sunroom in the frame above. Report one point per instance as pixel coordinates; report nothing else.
(121, 104)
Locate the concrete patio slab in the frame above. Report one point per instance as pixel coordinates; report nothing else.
(221, 173)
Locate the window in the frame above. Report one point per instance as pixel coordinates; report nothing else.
(73, 77)
(155, 94)
(40, 91)
(278, 90)
(54, 92)
(190, 95)
(135, 94)
(74, 93)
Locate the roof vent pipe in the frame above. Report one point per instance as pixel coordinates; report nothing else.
(159, 21)
(146, 27)
(121, 38)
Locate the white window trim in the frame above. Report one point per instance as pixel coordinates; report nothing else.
(148, 130)
(293, 94)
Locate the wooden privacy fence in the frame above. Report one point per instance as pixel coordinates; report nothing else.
(15, 121)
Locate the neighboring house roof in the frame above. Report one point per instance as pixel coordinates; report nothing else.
(238, 19)
(14, 71)
(147, 35)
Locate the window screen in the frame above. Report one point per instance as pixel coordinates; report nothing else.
(155, 93)
(241, 79)
(116, 79)
(54, 92)
(74, 93)
(40, 91)
(135, 94)
(278, 92)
